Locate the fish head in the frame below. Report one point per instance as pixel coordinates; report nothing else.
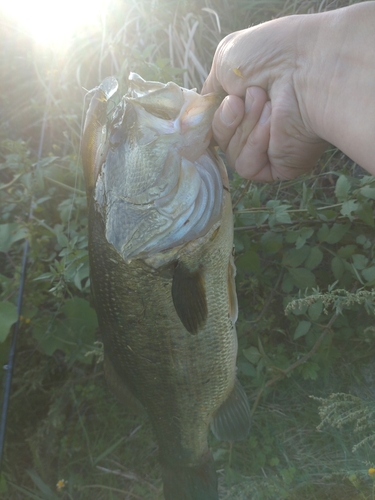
(158, 187)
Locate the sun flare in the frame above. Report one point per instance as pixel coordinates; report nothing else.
(51, 21)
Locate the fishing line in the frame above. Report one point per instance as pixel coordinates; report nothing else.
(12, 352)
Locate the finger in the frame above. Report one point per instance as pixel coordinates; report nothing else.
(253, 161)
(209, 84)
(255, 100)
(221, 71)
(212, 84)
(226, 120)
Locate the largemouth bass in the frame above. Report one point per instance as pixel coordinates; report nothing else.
(162, 271)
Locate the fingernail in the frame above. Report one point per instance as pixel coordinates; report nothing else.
(227, 114)
(266, 113)
(249, 99)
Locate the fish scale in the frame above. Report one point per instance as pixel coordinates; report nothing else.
(167, 318)
(171, 356)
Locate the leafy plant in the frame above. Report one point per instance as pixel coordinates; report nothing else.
(305, 274)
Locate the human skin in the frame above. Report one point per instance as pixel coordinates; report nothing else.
(294, 85)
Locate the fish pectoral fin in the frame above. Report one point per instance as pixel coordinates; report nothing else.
(232, 420)
(189, 297)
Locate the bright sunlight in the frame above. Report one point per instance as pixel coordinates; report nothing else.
(51, 21)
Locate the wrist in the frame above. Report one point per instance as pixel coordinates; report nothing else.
(335, 88)
(319, 43)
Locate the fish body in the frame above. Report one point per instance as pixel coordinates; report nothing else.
(162, 271)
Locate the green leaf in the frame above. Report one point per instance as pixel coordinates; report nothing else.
(368, 192)
(361, 239)
(369, 273)
(338, 268)
(315, 310)
(323, 233)
(366, 179)
(246, 219)
(8, 316)
(310, 370)
(6, 285)
(314, 259)
(365, 213)
(302, 278)
(302, 328)
(255, 196)
(287, 284)
(291, 235)
(271, 242)
(336, 233)
(342, 188)
(80, 315)
(348, 207)
(299, 237)
(294, 257)
(247, 369)
(49, 337)
(252, 354)
(260, 218)
(9, 234)
(359, 261)
(281, 214)
(249, 261)
(304, 235)
(74, 334)
(239, 240)
(347, 251)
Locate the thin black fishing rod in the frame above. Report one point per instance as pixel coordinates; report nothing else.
(9, 367)
(12, 352)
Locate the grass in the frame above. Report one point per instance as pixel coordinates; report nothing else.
(84, 436)
(63, 424)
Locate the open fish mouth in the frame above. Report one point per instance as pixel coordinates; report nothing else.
(158, 173)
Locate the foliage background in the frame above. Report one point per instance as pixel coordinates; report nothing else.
(306, 245)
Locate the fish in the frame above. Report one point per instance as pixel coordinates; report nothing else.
(162, 271)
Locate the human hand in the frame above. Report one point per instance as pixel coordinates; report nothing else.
(263, 125)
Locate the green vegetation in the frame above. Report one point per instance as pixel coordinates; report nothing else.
(305, 275)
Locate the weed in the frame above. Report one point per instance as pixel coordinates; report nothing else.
(304, 246)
